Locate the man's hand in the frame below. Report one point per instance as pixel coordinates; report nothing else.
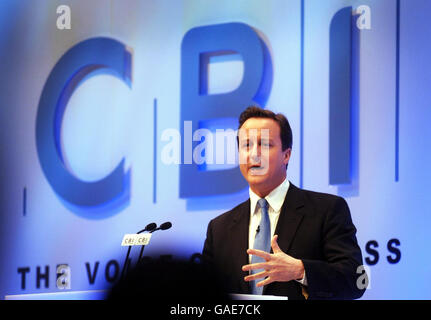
(278, 266)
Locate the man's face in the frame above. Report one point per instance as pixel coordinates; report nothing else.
(262, 160)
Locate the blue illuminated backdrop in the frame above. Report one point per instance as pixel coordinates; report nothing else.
(352, 76)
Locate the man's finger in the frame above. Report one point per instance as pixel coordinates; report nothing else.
(259, 253)
(254, 266)
(255, 276)
(274, 244)
(264, 282)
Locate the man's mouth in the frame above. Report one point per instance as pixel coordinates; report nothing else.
(256, 169)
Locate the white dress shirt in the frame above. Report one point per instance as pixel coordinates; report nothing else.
(275, 201)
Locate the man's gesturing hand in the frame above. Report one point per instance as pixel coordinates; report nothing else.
(278, 266)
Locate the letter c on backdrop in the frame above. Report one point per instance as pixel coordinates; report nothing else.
(95, 199)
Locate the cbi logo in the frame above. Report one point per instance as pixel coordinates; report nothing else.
(109, 195)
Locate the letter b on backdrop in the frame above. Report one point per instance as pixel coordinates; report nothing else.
(198, 47)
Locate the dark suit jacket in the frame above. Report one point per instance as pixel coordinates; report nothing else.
(314, 227)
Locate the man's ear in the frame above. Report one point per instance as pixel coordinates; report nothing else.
(287, 154)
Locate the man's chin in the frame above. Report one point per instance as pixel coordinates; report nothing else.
(256, 179)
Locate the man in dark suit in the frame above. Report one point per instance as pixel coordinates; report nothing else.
(302, 243)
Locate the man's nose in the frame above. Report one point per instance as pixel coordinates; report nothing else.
(255, 152)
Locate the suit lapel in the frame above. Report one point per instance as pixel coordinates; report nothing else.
(290, 217)
(239, 231)
(289, 220)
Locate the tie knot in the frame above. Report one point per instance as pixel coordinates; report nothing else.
(263, 203)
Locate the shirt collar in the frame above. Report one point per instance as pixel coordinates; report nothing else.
(275, 198)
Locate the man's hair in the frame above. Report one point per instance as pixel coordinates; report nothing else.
(283, 123)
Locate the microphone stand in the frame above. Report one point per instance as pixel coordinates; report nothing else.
(151, 227)
(126, 262)
(163, 226)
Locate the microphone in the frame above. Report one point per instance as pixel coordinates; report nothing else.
(150, 227)
(163, 226)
